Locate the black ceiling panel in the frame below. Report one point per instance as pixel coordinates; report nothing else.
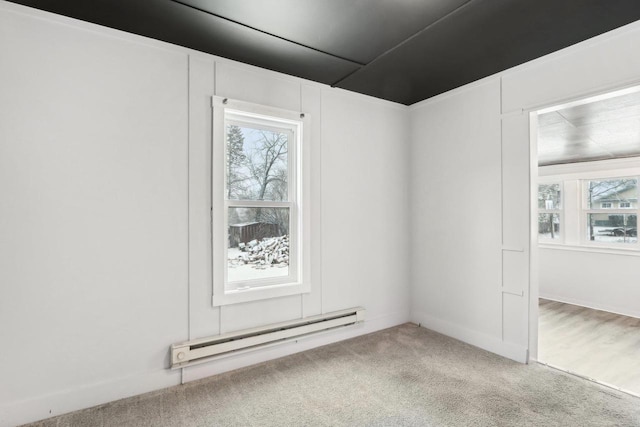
(400, 50)
(357, 30)
(483, 38)
(182, 25)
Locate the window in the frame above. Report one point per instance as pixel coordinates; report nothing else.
(590, 206)
(259, 194)
(549, 211)
(612, 227)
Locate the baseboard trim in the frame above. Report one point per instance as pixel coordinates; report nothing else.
(593, 380)
(478, 339)
(588, 304)
(76, 398)
(233, 362)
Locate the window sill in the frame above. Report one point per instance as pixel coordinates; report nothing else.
(260, 293)
(592, 249)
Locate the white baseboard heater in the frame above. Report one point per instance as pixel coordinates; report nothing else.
(202, 350)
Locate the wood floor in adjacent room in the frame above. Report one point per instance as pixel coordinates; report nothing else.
(597, 344)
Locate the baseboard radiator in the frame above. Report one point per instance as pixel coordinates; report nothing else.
(203, 350)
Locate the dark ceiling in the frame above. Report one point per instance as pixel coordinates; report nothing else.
(400, 50)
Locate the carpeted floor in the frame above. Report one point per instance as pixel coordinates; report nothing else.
(403, 376)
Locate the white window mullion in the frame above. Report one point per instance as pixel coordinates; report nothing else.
(256, 204)
(253, 275)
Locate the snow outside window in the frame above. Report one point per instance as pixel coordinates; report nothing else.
(259, 195)
(605, 224)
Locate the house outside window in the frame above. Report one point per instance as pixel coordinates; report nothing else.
(597, 210)
(613, 226)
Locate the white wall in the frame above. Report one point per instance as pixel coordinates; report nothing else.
(104, 220)
(365, 205)
(605, 281)
(359, 210)
(470, 191)
(469, 263)
(456, 212)
(93, 253)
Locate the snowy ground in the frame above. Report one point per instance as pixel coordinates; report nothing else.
(556, 236)
(247, 272)
(601, 235)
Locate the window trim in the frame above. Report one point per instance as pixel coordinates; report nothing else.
(300, 278)
(571, 174)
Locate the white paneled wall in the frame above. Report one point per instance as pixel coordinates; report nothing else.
(455, 275)
(311, 104)
(238, 81)
(348, 131)
(203, 319)
(604, 63)
(93, 216)
(515, 234)
(105, 254)
(456, 214)
(364, 204)
(105, 167)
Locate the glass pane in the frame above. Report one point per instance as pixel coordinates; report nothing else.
(549, 226)
(549, 196)
(611, 193)
(258, 246)
(257, 163)
(617, 228)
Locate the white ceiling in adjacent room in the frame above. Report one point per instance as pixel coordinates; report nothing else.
(604, 129)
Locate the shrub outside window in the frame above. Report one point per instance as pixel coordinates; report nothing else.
(549, 212)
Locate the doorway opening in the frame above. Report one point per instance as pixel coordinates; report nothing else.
(587, 249)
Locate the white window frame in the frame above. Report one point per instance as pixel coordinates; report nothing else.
(574, 221)
(298, 158)
(610, 205)
(560, 240)
(624, 207)
(585, 211)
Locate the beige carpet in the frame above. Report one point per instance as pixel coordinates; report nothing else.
(403, 376)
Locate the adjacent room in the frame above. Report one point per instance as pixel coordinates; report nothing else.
(588, 158)
(318, 213)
